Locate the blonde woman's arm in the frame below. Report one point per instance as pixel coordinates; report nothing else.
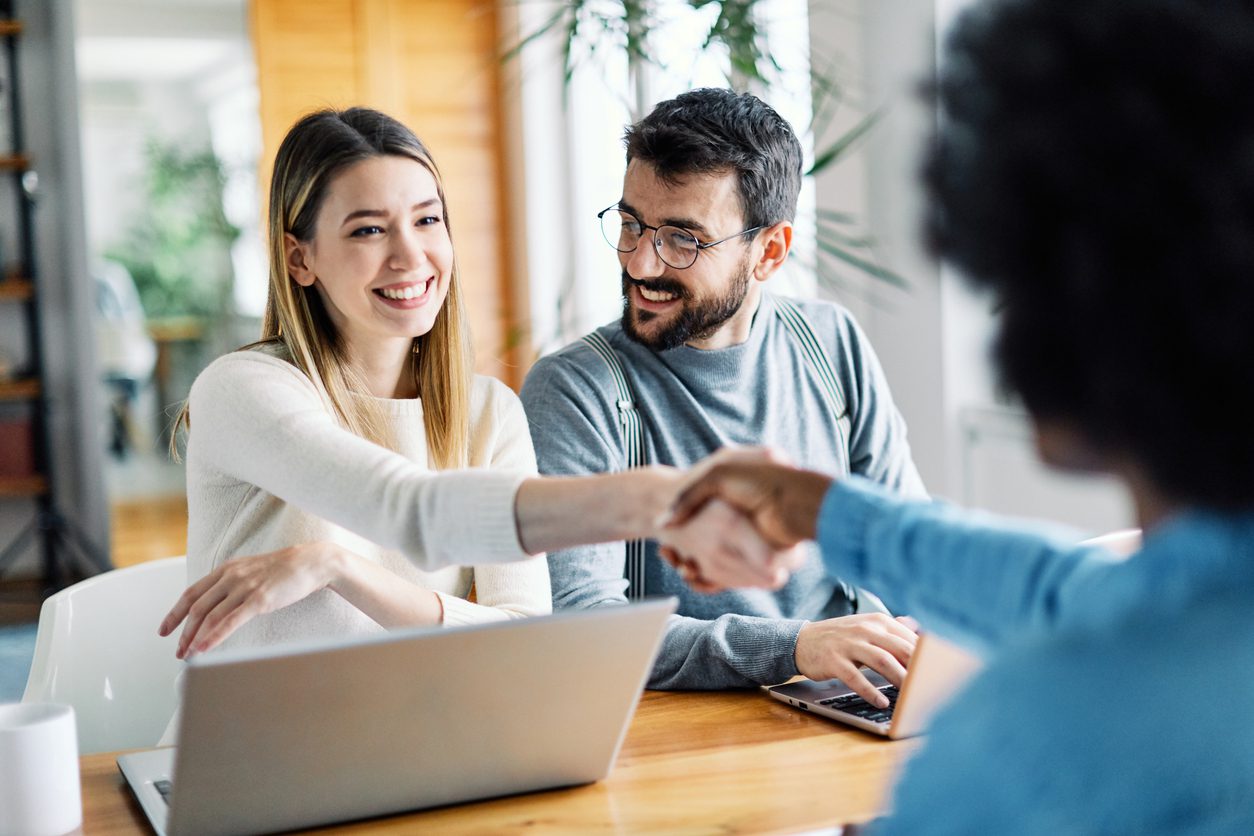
(239, 590)
(257, 419)
(558, 512)
(554, 513)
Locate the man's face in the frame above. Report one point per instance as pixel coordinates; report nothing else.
(664, 307)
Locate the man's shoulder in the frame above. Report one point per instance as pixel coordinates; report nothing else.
(835, 329)
(824, 316)
(579, 352)
(576, 365)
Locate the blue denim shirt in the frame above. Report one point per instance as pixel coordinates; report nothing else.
(1119, 697)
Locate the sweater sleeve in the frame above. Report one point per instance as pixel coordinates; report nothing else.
(969, 575)
(507, 590)
(259, 420)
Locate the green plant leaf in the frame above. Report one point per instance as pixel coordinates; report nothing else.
(826, 97)
(842, 145)
(834, 216)
(869, 267)
(837, 236)
(596, 28)
(540, 31)
(178, 249)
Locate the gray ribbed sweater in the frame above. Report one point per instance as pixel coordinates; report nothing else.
(694, 402)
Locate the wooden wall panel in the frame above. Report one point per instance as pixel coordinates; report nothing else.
(433, 65)
(306, 53)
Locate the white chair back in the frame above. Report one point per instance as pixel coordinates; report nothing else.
(97, 649)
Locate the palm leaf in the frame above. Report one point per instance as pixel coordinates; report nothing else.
(539, 32)
(833, 216)
(838, 148)
(872, 269)
(583, 24)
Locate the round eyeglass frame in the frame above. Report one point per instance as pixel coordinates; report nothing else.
(698, 245)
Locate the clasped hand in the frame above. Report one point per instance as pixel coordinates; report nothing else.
(738, 522)
(739, 518)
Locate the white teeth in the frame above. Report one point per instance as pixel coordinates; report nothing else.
(656, 295)
(413, 291)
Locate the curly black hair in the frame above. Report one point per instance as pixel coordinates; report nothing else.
(1094, 168)
(712, 130)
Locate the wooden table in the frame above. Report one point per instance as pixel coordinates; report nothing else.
(733, 762)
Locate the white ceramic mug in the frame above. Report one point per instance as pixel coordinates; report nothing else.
(40, 794)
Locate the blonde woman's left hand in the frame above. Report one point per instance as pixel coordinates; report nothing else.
(239, 590)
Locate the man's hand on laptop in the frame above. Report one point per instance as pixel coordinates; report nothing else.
(836, 648)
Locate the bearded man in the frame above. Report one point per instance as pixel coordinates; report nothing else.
(703, 358)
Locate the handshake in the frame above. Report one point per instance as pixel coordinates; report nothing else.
(737, 519)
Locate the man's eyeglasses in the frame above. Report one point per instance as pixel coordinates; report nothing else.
(676, 247)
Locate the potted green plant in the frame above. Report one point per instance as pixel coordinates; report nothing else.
(597, 29)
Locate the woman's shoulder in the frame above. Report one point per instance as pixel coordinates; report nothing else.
(492, 394)
(493, 402)
(245, 369)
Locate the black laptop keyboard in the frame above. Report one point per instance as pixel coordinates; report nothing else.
(855, 705)
(165, 788)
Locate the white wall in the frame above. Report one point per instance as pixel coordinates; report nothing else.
(883, 48)
(970, 445)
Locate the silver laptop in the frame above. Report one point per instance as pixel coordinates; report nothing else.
(275, 739)
(937, 670)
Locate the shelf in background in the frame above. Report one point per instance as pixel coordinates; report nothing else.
(10, 27)
(22, 486)
(19, 390)
(16, 289)
(14, 162)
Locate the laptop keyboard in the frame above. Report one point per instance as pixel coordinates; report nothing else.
(165, 788)
(855, 705)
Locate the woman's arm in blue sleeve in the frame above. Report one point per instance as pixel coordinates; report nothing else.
(967, 575)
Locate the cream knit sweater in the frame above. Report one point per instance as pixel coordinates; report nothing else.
(268, 466)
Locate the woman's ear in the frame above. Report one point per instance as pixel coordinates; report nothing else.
(296, 255)
(776, 241)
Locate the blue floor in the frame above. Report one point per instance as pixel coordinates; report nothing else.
(17, 648)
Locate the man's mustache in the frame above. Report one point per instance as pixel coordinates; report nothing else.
(656, 285)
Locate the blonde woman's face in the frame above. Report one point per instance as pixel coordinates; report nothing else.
(381, 257)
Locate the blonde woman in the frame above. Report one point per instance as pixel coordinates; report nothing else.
(351, 451)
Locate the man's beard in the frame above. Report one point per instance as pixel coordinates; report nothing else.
(697, 320)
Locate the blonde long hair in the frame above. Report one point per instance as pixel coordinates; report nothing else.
(317, 148)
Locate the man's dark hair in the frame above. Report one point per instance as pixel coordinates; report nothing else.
(712, 131)
(1095, 169)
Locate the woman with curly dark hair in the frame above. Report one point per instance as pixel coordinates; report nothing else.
(1094, 170)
